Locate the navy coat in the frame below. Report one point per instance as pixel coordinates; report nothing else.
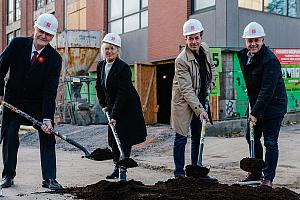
(264, 83)
(30, 87)
(123, 102)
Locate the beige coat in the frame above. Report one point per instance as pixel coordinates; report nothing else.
(186, 87)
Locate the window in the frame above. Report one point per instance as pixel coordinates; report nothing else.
(18, 33)
(281, 7)
(276, 6)
(10, 36)
(18, 10)
(144, 19)
(125, 16)
(39, 4)
(200, 4)
(254, 4)
(10, 12)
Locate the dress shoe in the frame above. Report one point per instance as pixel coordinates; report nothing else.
(251, 179)
(208, 179)
(51, 184)
(7, 182)
(122, 175)
(114, 174)
(266, 182)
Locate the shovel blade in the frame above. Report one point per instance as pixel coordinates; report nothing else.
(252, 164)
(196, 171)
(101, 154)
(127, 163)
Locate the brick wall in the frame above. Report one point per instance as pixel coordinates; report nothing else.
(59, 14)
(27, 20)
(3, 11)
(96, 15)
(165, 27)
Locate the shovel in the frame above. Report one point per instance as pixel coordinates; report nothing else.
(198, 171)
(98, 154)
(124, 162)
(251, 164)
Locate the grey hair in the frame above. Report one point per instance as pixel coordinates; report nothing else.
(103, 46)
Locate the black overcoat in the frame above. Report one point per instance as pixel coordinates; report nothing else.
(264, 83)
(30, 87)
(123, 102)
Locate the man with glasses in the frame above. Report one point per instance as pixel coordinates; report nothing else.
(34, 69)
(268, 101)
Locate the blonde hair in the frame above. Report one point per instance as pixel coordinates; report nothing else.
(104, 45)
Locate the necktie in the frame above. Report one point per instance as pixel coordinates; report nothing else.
(34, 57)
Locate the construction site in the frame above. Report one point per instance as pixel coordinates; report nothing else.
(151, 54)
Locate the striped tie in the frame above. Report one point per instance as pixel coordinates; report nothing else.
(34, 57)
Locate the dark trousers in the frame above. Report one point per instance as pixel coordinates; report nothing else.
(113, 144)
(179, 147)
(269, 129)
(10, 131)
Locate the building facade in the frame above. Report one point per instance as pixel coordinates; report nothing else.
(151, 34)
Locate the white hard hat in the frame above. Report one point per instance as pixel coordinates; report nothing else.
(112, 38)
(253, 30)
(192, 26)
(47, 22)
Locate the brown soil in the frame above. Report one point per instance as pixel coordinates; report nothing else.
(175, 189)
(196, 171)
(127, 163)
(252, 164)
(101, 154)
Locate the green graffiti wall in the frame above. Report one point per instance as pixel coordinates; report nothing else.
(239, 88)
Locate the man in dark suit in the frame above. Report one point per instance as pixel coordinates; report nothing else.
(34, 69)
(268, 101)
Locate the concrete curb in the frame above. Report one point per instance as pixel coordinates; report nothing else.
(238, 126)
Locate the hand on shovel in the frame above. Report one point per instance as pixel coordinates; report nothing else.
(113, 122)
(47, 126)
(204, 116)
(253, 120)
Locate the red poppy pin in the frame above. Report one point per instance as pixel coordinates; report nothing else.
(41, 59)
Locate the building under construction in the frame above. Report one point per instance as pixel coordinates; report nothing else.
(151, 33)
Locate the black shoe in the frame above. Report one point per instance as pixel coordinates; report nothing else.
(251, 180)
(208, 179)
(51, 184)
(7, 182)
(114, 174)
(122, 174)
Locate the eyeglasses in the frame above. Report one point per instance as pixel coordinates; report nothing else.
(42, 32)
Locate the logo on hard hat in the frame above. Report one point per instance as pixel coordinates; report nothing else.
(113, 38)
(253, 31)
(48, 24)
(192, 28)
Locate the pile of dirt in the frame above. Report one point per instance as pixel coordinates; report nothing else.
(175, 189)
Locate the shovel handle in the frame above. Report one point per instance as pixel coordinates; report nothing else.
(251, 126)
(113, 128)
(40, 124)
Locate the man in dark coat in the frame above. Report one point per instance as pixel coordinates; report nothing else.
(118, 96)
(34, 69)
(268, 100)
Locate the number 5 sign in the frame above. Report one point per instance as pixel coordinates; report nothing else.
(216, 59)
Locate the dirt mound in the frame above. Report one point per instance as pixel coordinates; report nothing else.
(175, 189)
